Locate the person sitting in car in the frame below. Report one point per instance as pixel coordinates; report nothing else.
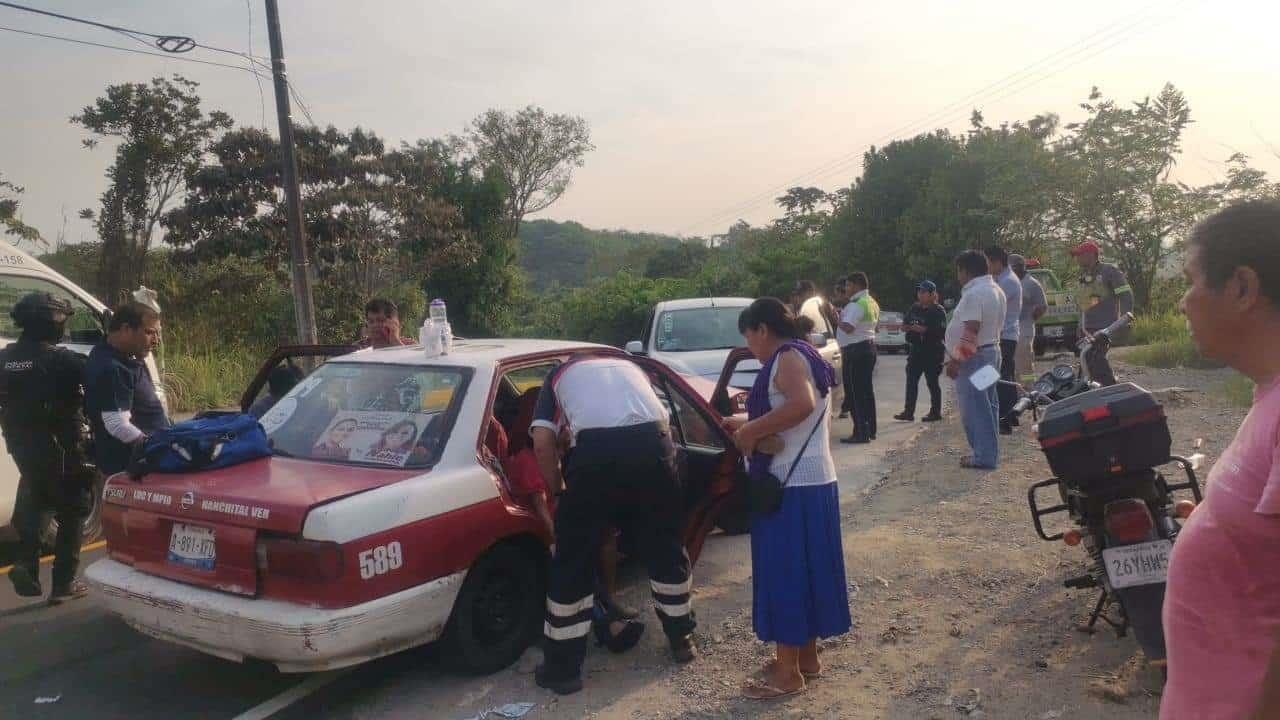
(281, 380)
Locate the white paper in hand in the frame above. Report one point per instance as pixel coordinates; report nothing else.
(985, 378)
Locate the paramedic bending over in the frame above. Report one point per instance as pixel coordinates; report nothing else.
(622, 460)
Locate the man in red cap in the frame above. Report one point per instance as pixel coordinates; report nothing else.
(1103, 295)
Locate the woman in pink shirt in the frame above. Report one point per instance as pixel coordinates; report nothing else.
(1222, 604)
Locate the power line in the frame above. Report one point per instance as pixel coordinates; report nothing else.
(167, 43)
(1116, 30)
(166, 56)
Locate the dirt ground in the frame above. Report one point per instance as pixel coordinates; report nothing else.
(959, 608)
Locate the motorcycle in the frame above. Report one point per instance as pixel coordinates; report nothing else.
(1105, 446)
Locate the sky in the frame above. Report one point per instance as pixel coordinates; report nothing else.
(701, 111)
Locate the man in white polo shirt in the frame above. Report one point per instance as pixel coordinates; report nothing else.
(973, 354)
(620, 470)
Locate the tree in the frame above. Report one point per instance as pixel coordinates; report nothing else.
(9, 219)
(1117, 189)
(534, 152)
(380, 221)
(802, 210)
(162, 135)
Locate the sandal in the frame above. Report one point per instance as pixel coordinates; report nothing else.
(756, 690)
(762, 672)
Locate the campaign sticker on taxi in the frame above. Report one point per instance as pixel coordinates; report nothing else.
(385, 438)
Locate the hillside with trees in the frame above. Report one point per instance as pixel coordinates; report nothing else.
(193, 208)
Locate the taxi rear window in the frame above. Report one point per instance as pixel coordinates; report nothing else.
(368, 414)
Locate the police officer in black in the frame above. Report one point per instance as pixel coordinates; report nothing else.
(44, 429)
(926, 326)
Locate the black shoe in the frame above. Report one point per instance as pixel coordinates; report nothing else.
(1006, 430)
(73, 591)
(931, 417)
(559, 686)
(683, 650)
(856, 440)
(25, 583)
(905, 417)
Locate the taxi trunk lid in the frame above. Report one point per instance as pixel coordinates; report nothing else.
(202, 528)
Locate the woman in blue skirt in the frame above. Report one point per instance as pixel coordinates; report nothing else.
(796, 554)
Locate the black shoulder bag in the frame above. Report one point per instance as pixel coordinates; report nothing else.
(764, 490)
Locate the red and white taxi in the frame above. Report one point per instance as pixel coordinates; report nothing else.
(384, 520)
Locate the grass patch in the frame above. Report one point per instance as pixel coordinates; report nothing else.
(202, 378)
(1181, 352)
(1166, 326)
(1162, 340)
(1239, 390)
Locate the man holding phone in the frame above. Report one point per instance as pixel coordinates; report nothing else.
(926, 326)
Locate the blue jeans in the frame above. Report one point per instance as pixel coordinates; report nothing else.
(980, 409)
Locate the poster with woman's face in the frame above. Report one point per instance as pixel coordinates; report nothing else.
(385, 438)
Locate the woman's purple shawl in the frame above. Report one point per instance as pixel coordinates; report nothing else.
(824, 377)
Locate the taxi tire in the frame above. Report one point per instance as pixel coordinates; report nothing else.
(90, 528)
(506, 567)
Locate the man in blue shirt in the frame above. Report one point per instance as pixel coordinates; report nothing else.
(998, 264)
(120, 394)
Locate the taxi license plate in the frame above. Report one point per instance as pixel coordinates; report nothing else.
(1053, 331)
(192, 546)
(1141, 564)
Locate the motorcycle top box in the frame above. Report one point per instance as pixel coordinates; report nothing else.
(1105, 433)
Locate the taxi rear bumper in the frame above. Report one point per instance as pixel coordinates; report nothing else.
(294, 638)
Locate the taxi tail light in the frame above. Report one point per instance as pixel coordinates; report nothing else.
(1128, 521)
(308, 560)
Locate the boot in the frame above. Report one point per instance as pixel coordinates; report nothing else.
(25, 582)
(74, 590)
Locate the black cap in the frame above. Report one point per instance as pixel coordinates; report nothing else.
(927, 286)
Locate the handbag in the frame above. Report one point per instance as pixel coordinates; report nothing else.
(764, 489)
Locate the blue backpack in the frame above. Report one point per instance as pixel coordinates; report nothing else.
(202, 444)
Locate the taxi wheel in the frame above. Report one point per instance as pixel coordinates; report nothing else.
(496, 616)
(90, 528)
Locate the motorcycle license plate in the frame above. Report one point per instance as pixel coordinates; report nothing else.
(1141, 564)
(192, 546)
(1053, 331)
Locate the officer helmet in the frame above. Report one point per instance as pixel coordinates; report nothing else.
(39, 306)
(36, 315)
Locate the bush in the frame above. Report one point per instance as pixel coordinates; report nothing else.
(208, 380)
(613, 311)
(1169, 325)
(1239, 390)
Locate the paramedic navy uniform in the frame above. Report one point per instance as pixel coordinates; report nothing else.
(622, 460)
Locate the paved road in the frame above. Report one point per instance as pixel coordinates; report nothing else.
(102, 669)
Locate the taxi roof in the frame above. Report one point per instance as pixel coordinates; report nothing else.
(470, 353)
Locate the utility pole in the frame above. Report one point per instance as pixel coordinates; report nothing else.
(304, 308)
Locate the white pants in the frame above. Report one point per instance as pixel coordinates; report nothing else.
(1024, 361)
